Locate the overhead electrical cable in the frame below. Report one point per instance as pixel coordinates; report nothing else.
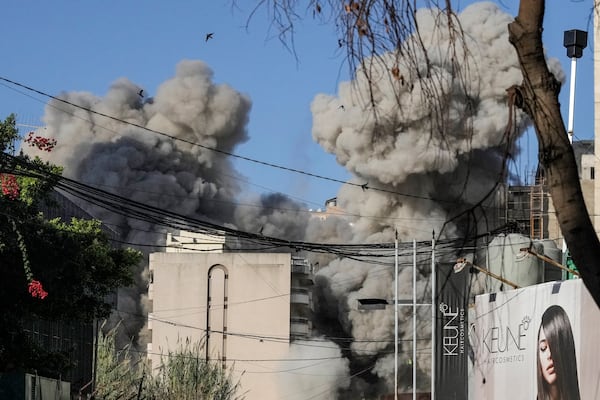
(363, 186)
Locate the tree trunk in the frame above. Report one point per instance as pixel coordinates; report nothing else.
(539, 93)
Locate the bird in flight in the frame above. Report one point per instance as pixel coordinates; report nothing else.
(141, 93)
(209, 36)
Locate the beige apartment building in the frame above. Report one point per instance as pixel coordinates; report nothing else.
(246, 306)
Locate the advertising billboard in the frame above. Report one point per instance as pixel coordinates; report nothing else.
(538, 342)
(451, 330)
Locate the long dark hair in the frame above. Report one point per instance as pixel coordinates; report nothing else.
(559, 338)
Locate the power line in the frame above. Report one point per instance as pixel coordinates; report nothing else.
(133, 209)
(310, 341)
(363, 186)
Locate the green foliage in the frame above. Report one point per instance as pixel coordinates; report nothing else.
(118, 376)
(74, 261)
(33, 188)
(35, 177)
(183, 374)
(8, 134)
(77, 266)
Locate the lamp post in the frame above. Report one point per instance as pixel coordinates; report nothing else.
(574, 41)
(395, 315)
(433, 313)
(380, 304)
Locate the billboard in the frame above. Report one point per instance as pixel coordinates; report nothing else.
(536, 341)
(451, 330)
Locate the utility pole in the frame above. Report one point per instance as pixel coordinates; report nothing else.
(574, 41)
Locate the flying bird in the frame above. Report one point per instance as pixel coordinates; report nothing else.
(342, 107)
(141, 93)
(364, 186)
(317, 9)
(209, 36)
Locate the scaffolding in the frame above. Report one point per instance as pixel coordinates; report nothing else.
(527, 207)
(538, 209)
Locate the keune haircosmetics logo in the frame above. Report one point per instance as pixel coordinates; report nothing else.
(453, 330)
(506, 342)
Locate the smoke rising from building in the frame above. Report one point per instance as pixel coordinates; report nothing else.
(442, 166)
(175, 175)
(319, 377)
(446, 156)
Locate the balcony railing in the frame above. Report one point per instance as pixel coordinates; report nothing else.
(300, 296)
(301, 266)
(300, 327)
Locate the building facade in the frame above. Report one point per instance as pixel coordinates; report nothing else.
(244, 307)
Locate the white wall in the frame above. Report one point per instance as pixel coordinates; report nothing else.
(257, 317)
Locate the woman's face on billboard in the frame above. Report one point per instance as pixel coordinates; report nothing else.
(546, 363)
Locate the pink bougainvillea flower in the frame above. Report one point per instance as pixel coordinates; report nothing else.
(10, 186)
(42, 143)
(36, 289)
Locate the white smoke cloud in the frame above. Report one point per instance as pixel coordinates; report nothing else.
(320, 377)
(402, 140)
(435, 167)
(430, 162)
(148, 167)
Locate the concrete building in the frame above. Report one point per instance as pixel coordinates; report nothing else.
(246, 306)
(331, 209)
(529, 208)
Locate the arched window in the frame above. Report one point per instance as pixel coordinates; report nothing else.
(216, 313)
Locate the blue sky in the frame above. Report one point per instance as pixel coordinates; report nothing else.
(85, 46)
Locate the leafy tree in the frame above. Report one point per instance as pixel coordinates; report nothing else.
(51, 269)
(370, 28)
(183, 374)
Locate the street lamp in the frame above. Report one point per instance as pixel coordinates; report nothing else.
(574, 41)
(370, 304)
(380, 304)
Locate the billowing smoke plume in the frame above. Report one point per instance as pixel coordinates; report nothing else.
(432, 160)
(403, 143)
(323, 373)
(179, 175)
(438, 155)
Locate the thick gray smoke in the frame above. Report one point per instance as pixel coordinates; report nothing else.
(319, 377)
(145, 166)
(436, 163)
(389, 134)
(156, 170)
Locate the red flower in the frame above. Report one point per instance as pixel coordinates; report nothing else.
(10, 186)
(36, 289)
(42, 143)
